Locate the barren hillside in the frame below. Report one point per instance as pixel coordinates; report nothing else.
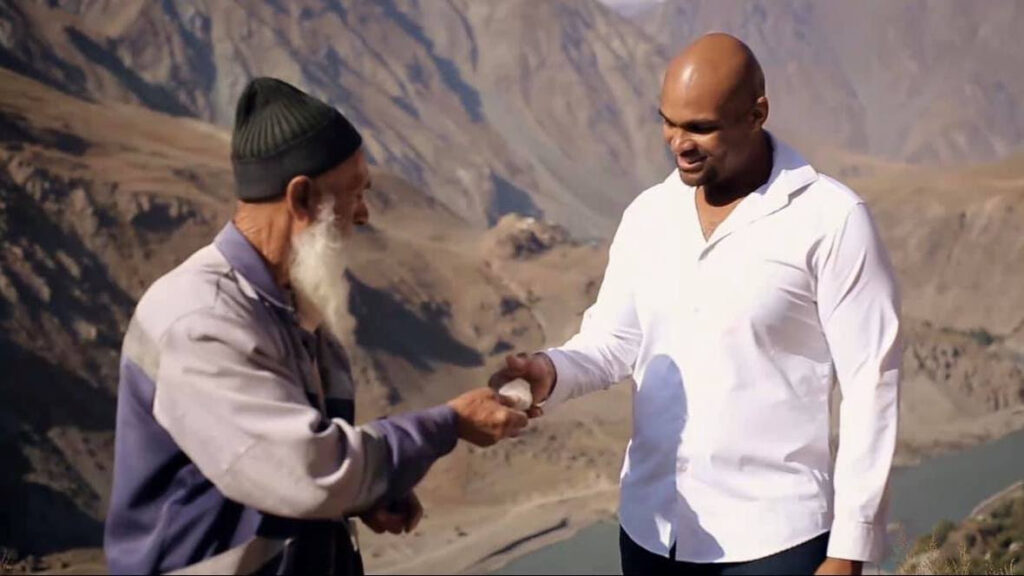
(506, 137)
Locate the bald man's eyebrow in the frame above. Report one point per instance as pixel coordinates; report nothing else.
(668, 120)
(694, 125)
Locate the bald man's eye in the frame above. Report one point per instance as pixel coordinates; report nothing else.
(702, 129)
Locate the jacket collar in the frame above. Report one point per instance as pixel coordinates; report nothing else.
(244, 259)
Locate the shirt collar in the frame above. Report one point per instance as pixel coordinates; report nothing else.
(243, 258)
(790, 172)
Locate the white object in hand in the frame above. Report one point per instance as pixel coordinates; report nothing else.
(518, 391)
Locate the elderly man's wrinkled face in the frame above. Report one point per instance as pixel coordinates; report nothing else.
(346, 185)
(318, 254)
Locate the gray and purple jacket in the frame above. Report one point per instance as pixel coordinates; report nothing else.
(235, 450)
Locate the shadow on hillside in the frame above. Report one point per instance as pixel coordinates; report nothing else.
(151, 95)
(16, 128)
(92, 294)
(36, 519)
(385, 324)
(35, 397)
(41, 396)
(448, 71)
(509, 198)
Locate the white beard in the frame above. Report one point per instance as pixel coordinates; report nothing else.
(317, 274)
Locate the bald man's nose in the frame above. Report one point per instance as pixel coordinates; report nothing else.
(682, 143)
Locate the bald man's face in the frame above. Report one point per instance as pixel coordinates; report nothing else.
(709, 127)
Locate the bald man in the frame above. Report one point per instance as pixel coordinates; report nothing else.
(737, 291)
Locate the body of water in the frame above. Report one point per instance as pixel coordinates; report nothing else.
(944, 487)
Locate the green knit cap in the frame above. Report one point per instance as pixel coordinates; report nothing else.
(280, 133)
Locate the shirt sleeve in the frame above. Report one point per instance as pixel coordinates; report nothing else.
(231, 405)
(606, 347)
(858, 304)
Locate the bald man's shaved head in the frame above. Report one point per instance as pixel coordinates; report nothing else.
(713, 105)
(721, 66)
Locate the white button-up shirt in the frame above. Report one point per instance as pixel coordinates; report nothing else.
(733, 343)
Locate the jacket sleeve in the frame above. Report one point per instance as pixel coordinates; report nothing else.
(233, 407)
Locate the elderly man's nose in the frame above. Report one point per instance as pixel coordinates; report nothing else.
(362, 214)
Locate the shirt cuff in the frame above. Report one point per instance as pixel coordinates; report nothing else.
(858, 541)
(565, 381)
(415, 440)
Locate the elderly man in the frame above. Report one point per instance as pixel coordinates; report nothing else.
(235, 450)
(736, 291)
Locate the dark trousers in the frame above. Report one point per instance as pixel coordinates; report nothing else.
(801, 559)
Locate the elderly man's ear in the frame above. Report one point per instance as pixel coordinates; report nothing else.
(300, 197)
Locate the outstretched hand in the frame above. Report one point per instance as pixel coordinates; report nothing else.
(484, 418)
(537, 369)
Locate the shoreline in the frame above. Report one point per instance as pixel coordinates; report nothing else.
(982, 508)
(523, 528)
(519, 530)
(497, 534)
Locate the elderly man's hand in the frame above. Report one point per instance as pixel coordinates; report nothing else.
(484, 417)
(402, 515)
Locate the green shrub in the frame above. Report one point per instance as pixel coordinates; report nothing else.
(982, 337)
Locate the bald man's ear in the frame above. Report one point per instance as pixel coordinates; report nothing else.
(760, 112)
(299, 197)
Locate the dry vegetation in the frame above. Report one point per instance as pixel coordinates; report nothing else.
(990, 541)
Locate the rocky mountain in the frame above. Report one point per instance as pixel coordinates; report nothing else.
(922, 81)
(100, 199)
(534, 108)
(546, 109)
(79, 245)
(506, 137)
(955, 243)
